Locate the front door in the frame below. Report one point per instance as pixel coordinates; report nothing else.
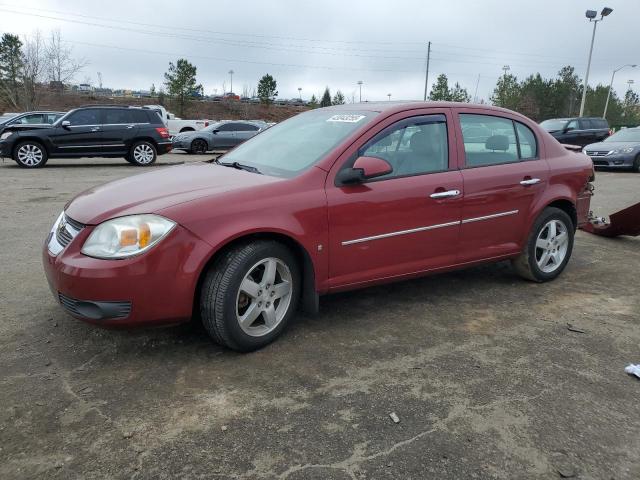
(83, 135)
(402, 223)
(224, 136)
(503, 176)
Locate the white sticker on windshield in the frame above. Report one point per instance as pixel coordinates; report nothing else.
(346, 118)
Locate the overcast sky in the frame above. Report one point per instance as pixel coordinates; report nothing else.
(335, 42)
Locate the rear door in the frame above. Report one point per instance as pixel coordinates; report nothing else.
(245, 131)
(503, 176)
(407, 221)
(83, 136)
(118, 131)
(588, 131)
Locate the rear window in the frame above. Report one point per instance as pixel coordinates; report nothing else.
(117, 116)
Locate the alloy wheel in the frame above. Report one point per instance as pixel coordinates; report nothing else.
(551, 246)
(143, 154)
(264, 297)
(30, 155)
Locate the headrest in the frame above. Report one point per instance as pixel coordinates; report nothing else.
(497, 142)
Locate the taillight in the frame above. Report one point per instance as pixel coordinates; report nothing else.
(206, 124)
(163, 131)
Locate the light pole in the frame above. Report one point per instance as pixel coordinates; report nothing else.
(231, 72)
(360, 82)
(606, 104)
(591, 15)
(505, 69)
(300, 93)
(389, 95)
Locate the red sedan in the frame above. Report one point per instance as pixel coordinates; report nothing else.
(332, 199)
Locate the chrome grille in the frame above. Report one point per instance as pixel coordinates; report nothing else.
(67, 229)
(596, 153)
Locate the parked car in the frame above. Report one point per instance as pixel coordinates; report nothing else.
(323, 202)
(579, 131)
(137, 134)
(177, 125)
(620, 150)
(220, 135)
(30, 120)
(7, 116)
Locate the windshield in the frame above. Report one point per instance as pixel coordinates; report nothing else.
(626, 135)
(213, 126)
(288, 148)
(553, 125)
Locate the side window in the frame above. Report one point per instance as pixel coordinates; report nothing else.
(488, 140)
(90, 116)
(586, 124)
(246, 127)
(52, 117)
(412, 146)
(227, 127)
(572, 125)
(139, 116)
(117, 116)
(36, 118)
(527, 141)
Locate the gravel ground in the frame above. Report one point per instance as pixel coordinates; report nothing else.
(479, 367)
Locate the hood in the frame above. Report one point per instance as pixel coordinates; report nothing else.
(606, 146)
(154, 191)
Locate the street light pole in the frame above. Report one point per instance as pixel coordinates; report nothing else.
(606, 104)
(426, 76)
(389, 95)
(591, 15)
(360, 82)
(300, 93)
(231, 72)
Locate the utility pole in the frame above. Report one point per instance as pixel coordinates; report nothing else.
(591, 15)
(475, 94)
(360, 82)
(426, 76)
(231, 72)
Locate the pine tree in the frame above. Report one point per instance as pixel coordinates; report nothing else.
(338, 98)
(440, 89)
(267, 89)
(313, 103)
(326, 98)
(181, 82)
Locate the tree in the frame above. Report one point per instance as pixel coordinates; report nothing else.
(34, 66)
(267, 89)
(459, 94)
(10, 69)
(567, 91)
(61, 66)
(326, 98)
(313, 102)
(507, 92)
(338, 98)
(440, 89)
(181, 82)
(630, 104)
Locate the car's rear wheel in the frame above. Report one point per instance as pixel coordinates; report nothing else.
(30, 154)
(249, 295)
(548, 247)
(143, 153)
(199, 147)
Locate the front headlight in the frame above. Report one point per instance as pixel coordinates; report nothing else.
(622, 150)
(6, 135)
(126, 236)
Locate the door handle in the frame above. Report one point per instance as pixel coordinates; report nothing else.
(530, 181)
(445, 194)
(129, 126)
(95, 129)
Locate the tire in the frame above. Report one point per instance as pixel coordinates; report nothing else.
(199, 146)
(532, 264)
(142, 153)
(30, 154)
(224, 301)
(636, 164)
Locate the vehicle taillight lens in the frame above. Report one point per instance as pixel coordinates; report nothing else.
(164, 133)
(206, 124)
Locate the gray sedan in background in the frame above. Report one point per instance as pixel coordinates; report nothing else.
(218, 136)
(620, 150)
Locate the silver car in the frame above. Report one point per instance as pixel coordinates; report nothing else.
(218, 136)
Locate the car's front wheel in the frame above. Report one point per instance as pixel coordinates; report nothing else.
(30, 154)
(199, 147)
(548, 247)
(143, 153)
(250, 294)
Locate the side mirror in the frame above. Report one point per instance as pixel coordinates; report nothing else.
(215, 131)
(65, 124)
(365, 168)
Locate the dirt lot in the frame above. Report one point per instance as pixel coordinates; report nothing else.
(479, 366)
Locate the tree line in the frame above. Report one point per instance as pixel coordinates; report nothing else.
(541, 98)
(26, 64)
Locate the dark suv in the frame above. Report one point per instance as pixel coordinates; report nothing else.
(578, 130)
(137, 134)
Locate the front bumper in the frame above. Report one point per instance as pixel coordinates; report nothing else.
(182, 144)
(154, 288)
(614, 161)
(5, 148)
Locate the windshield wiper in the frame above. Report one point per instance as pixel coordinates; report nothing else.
(239, 166)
